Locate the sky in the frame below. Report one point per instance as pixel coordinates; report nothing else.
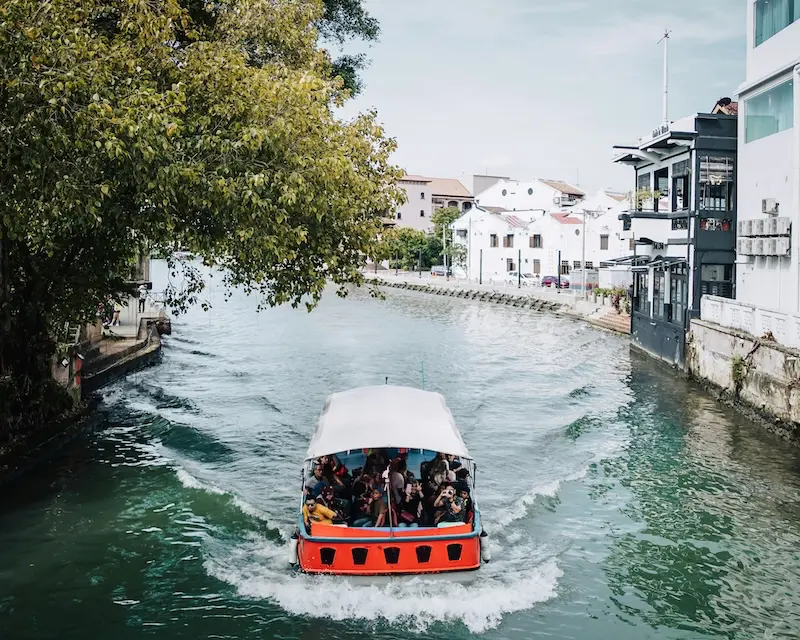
(530, 88)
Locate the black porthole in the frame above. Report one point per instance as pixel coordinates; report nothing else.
(454, 552)
(392, 554)
(423, 553)
(359, 555)
(327, 555)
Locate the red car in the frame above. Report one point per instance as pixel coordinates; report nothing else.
(552, 281)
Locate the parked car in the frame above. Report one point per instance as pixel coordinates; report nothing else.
(440, 270)
(527, 280)
(552, 281)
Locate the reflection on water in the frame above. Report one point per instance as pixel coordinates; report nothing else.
(621, 502)
(713, 553)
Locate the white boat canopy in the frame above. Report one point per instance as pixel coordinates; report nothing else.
(386, 416)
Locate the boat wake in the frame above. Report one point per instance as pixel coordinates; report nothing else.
(257, 569)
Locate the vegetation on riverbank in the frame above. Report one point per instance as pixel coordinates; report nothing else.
(131, 128)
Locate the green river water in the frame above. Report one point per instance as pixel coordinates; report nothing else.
(622, 502)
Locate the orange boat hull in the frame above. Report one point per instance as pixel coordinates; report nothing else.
(364, 552)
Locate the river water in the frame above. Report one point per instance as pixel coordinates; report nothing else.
(621, 501)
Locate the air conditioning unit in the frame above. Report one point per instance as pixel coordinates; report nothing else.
(745, 227)
(770, 246)
(744, 246)
(771, 227)
(783, 226)
(758, 227)
(758, 247)
(770, 206)
(782, 246)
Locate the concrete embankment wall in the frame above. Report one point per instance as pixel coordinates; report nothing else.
(761, 377)
(523, 301)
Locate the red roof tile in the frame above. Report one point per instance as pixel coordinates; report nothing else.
(565, 218)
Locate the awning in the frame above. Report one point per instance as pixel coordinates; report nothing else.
(386, 416)
(659, 262)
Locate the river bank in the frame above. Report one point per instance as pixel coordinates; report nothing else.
(597, 312)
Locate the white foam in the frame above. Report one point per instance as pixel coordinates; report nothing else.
(258, 569)
(190, 482)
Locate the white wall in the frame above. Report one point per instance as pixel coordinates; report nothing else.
(781, 49)
(767, 168)
(520, 196)
(555, 236)
(410, 211)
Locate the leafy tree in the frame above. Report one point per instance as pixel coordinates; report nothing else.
(404, 246)
(134, 127)
(443, 218)
(344, 20)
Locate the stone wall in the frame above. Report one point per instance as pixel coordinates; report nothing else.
(761, 376)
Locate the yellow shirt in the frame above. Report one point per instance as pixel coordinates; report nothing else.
(320, 515)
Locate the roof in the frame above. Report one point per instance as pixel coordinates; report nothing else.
(563, 187)
(415, 178)
(493, 209)
(448, 187)
(386, 416)
(514, 221)
(565, 218)
(619, 197)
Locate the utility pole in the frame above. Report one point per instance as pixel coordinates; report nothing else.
(519, 268)
(583, 254)
(665, 40)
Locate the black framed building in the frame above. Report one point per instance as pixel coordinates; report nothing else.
(683, 227)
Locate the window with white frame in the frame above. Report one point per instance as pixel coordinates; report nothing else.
(769, 112)
(772, 16)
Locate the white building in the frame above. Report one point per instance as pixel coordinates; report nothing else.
(768, 245)
(499, 241)
(426, 195)
(541, 195)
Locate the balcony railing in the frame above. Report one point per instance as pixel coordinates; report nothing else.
(785, 327)
(719, 288)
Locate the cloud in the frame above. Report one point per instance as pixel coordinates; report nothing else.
(626, 33)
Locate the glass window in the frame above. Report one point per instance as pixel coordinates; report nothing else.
(535, 241)
(642, 304)
(642, 184)
(537, 266)
(680, 185)
(772, 16)
(565, 267)
(493, 240)
(589, 264)
(680, 224)
(422, 213)
(576, 264)
(658, 294)
(769, 112)
(717, 280)
(510, 266)
(508, 241)
(399, 215)
(678, 296)
(716, 183)
(603, 243)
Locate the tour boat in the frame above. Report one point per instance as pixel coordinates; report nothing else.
(413, 428)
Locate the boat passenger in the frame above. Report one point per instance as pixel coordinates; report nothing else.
(397, 479)
(455, 511)
(377, 510)
(442, 501)
(410, 512)
(316, 480)
(327, 499)
(317, 513)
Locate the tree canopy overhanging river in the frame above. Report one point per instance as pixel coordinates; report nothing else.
(621, 501)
